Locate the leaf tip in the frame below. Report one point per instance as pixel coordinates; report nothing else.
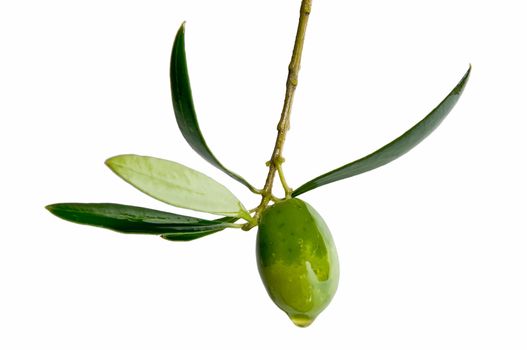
(109, 162)
(55, 209)
(460, 87)
(114, 161)
(469, 70)
(181, 31)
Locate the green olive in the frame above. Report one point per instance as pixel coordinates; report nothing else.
(297, 260)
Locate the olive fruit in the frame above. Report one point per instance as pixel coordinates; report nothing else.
(297, 259)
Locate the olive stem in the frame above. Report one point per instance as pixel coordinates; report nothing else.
(275, 164)
(288, 190)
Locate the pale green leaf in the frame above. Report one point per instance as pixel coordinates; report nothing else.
(176, 184)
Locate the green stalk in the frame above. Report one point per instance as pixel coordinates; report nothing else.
(275, 164)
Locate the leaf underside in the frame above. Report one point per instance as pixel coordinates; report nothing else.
(177, 185)
(137, 220)
(394, 149)
(183, 104)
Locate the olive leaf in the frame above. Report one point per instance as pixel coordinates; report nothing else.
(394, 149)
(177, 185)
(184, 107)
(189, 236)
(137, 220)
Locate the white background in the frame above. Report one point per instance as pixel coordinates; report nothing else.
(433, 247)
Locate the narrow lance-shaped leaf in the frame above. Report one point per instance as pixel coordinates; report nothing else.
(178, 185)
(184, 107)
(394, 149)
(131, 219)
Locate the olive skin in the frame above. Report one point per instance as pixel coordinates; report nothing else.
(297, 259)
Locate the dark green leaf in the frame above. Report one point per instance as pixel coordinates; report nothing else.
(130, 219)
(185, 237)
(189, 236)
(394, 149)
(184, 107)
